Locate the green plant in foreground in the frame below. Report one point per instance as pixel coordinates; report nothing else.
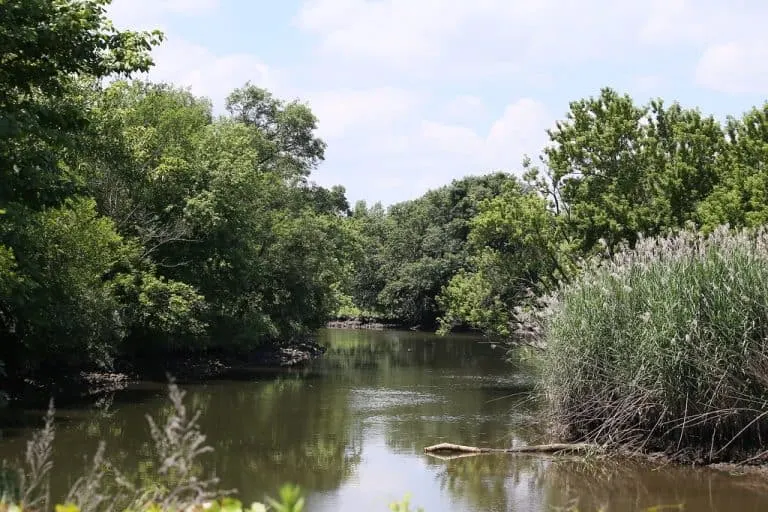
(404, 505)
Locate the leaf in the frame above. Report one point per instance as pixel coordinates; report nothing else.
(67, 508)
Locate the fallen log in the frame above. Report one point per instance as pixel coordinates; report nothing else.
(554, 448)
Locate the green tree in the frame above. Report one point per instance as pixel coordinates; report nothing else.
(597, 165)
(685, 148)
(740, 197)
(425, 245)
(55, 249)
(615, 170)
(63, 312)
(287, 143)
(518, 248)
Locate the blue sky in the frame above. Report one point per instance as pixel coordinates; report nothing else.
(411, 94)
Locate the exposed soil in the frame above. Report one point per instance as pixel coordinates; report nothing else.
(182, 367)
(356, 323)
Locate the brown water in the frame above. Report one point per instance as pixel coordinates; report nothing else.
(350, 430)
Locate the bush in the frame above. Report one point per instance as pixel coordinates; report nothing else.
(665, 347)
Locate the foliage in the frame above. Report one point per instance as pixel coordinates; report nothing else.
(46, 46)
(663, 347)
(517, 247)
(615, 170)
(64, 302)
(412, 250)
(132, 222)
(741, 194)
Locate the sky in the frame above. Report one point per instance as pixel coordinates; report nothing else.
(411, 94)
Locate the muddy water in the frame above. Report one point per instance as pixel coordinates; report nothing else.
(350, 430)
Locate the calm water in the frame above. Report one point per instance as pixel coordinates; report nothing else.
(351, 428)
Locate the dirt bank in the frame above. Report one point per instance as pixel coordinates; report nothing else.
(183, 367)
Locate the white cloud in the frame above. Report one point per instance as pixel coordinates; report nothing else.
(189, 64)
(406, 91)
(730, 36)
(189, 6)
(646, 84)
(701, 22)
(371, 110)
(455, 139)
(674, 21)
(735, 67)
(147, 14)
(206, 74)
(411, 155)
(388, 30)
(414, 34)
(520, 130)
(464, 108)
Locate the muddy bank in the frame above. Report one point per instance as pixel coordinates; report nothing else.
(212, 365)
(357, 323)
(182, 367)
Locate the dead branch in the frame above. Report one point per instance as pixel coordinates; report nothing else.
(554, 448)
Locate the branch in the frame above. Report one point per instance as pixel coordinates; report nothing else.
(554, 448)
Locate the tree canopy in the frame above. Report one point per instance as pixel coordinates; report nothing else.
(134, 220)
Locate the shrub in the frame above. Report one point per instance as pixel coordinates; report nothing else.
(664, 346)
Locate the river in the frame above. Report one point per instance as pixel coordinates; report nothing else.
(350, 429)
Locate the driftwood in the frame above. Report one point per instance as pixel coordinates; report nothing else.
(555, 448)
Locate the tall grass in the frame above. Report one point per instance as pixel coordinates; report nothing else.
(664, 347)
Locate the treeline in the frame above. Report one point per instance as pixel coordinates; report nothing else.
(136, 222)
(133, 221)
(470, 253)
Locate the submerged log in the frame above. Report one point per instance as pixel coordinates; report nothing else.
(553, 448)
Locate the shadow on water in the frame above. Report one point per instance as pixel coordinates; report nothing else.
(351, 427)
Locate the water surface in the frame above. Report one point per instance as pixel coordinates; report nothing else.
(350, 430)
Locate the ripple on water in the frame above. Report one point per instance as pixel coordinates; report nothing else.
(514, 382)
(373, 399)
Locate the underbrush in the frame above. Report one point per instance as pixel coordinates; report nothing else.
(664, 347)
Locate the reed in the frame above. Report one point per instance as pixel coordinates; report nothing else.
(664, 347)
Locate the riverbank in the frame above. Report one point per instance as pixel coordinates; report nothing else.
(184, 368)
(380, 324)
(362, 323)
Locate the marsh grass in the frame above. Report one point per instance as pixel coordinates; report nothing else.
(664, 347)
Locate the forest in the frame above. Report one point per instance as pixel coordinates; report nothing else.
(135, 222)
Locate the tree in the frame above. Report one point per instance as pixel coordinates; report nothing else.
(740, 197)
(417, 247)
(598, 164)
(287, 142)
(55, 249)
(615, 170)
(518, 248)
(45, 48)
(685, 148)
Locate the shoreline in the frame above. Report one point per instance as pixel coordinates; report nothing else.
(183, 368)
(363, 323)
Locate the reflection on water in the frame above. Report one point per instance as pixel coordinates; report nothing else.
(350, 430)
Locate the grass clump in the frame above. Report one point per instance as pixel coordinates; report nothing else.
(664, 347)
